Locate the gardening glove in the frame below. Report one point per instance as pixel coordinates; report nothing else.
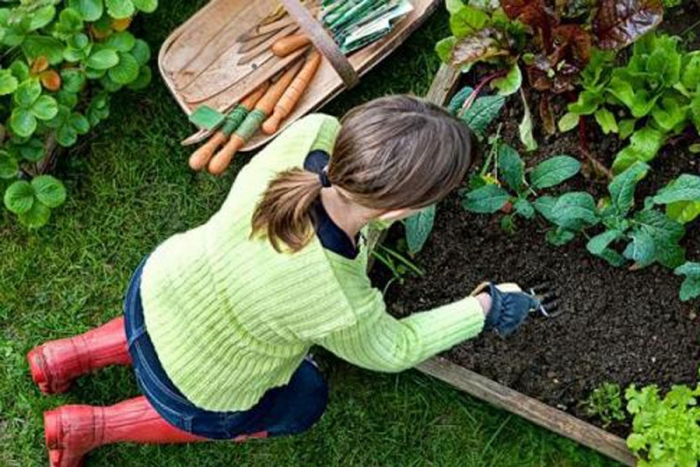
(509, 308)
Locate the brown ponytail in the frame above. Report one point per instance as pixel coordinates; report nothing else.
(391, 153)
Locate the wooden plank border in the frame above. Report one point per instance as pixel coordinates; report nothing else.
(562, 423)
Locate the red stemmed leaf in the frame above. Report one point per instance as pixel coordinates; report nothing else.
(618, 23)
(483, 45)
(573, 44)
(534, 14)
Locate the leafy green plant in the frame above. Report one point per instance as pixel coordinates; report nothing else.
(665, 431)
(605, 403)
(691, 285)
(504, 184)
(658, 91)
(61, 60)
(549, 42)
(399, 265)
(478, 113)
(682, 198)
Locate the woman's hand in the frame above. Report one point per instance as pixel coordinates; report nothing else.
(508, 307)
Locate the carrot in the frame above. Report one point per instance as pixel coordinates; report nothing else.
(200, 158)
(293, 94)
(220, 162)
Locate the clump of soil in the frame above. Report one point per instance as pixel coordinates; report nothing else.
(616, 325)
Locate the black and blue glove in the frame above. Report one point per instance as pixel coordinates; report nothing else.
(510, 307)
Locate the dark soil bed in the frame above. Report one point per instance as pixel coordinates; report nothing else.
(616, 325)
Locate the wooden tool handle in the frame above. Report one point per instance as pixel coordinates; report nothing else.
(289, 44)
(200, 158)
(267, 103)
(223, 158)
(293, 94)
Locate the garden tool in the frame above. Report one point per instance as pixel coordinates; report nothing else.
(54, 365)
(72, 431)
(263, 29)
(292, 94)
(289, 44)
(259, 51)
(200, 158)
(220, 162)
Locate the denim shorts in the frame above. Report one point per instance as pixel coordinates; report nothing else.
(284, 410)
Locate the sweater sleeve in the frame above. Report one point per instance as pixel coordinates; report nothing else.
(380, 342)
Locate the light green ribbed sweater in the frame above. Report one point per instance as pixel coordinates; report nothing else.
(230, 317)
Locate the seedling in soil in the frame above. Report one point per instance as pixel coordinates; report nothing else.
(605, 403)
(400, 266)
(504, 185)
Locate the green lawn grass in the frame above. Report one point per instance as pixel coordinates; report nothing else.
(130, 188)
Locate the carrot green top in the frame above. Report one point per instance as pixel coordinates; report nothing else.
(230, 317)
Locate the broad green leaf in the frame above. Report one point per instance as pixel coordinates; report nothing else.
(525, 127)
(143, 80)
(126, 71)
(665, 233)
(453, 6)
(147, 6)
(23, 123)
(69, 24)
(690, 77)
(80, 123)
(545, 206)
(19, 197)
(459, 99)
(560, 236)
(41, 17)
(8, 83)
(90, 10)
(524, 208)
(35, 46)
(9, 167)
(641, 249)
(37, 216)
(27, 93)
(483, 45)
(485, 200)
(444, 48)
(73, 80)
(141, 51)
(66, 136)
(122, 41)
(684, 188)
(683, 211)
(418, 229)
(691, 285)
(575, 210)
(627, 127)
(109, 84)
(120, 8)
(103, 59)
(644, 145)
(45, 108)
(20, 70)
(587, 103)
(606, 120)
(484, 111)
(467, 20)
(511, 167)
(669, 113)
(623, 186)
(49, 190)
(554, 171)
(509, 84)
(568, 122)
(33, 150)
(600, 246)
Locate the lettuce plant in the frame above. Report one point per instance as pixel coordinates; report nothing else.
(665, 430)
(658, 92)
(61, 61)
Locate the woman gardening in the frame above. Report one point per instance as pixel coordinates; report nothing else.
(218, 321)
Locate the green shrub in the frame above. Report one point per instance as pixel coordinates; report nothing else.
(61, 61)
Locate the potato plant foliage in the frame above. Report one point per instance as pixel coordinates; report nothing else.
(61, 61)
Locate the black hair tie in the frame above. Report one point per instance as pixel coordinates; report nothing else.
(323, 176)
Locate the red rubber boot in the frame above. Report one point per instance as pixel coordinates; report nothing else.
(72, 431)
(55, 364)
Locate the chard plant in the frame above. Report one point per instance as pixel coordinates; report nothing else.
(657, 94)
(61, 60)
(550, 42)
